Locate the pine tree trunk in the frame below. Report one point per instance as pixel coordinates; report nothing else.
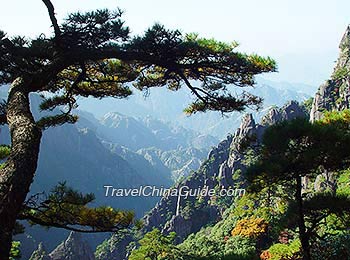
(18, 172)
(304, 239)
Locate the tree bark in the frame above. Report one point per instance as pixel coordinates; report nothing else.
(304, 239)
(18, 172)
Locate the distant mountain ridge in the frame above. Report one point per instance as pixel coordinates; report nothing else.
(168, 106)
(136, 133)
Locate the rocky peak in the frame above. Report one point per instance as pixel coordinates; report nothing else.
(253, 132)
(247, 124)
(334, 94)
(40, 253)
(73, 248)
(289, 111)
(344, 47)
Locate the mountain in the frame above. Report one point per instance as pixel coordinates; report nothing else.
(218, 170)
(289, 88)
(175, 151)
(122, 150)
(334, 94)
(181, 162)
(221, 169)
(73, 248)
(168, 106)
(79, 157)
(136, 133)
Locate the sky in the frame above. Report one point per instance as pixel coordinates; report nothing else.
(301, 35)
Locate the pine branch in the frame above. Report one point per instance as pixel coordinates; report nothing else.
(53, 19)
(66, 208)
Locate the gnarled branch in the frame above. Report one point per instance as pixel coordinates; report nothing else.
(51, 10)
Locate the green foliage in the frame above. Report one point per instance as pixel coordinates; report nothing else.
(340, 120)
(155, 246)
(318, 206)
(187, 210)
(93, 54)
(294, 149)
(202, 244)
(308, 104)
(333, 247)
(343, 182)
(238, 247)
(284, 251)
(102, 249)
(298, 148)
(4, 151)
(341, 73)
(217, 242)
(112, 244)
(250, 157)
(104, 58)
(211, 44)
(15, 252)
(236, 236)
(67, 208)
(206, 245)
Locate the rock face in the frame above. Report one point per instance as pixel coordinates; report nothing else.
(181, 161)
(73, 248)
(252, 132)
(118, 247)
(334, 94)
(40, 254)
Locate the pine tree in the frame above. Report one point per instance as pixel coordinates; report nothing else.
(295, 149)
(93, 54)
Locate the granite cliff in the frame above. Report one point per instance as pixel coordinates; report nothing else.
(334, 94)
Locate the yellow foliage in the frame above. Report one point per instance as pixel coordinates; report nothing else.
(250, 227)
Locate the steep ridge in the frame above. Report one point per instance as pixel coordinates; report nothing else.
(73, 248)
(138, 133)
(222, 169)
(168, 106)
(334, 94)
(218, 171)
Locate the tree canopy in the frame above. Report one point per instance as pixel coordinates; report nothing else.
(292, 150)
(94, 54)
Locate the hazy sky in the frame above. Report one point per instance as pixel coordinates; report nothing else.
(302, 35)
